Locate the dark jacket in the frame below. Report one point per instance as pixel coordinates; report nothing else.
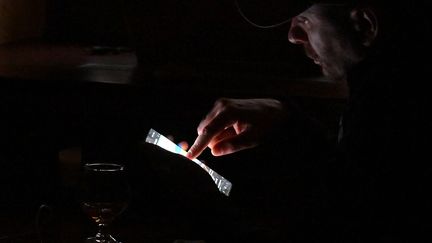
(379, 179)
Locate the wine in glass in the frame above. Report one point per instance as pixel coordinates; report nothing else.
(104, 196)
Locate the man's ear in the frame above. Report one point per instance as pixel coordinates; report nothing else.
(365, 24)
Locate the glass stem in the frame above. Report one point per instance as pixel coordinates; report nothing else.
(102, 235)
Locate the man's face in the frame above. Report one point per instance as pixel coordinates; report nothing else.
(322, 30)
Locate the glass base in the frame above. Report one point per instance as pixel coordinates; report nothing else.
(101, 239)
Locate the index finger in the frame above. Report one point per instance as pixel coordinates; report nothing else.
(200, 144)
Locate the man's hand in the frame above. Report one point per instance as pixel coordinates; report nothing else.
(236, 124)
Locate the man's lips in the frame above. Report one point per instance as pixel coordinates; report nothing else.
(312, 55)
(315, 59)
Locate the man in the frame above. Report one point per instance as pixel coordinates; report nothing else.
(375, 178)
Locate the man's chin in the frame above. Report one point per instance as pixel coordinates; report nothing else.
(334, 76)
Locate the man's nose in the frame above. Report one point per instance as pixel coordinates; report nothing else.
(297, 33)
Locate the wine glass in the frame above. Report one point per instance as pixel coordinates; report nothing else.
(104, 194)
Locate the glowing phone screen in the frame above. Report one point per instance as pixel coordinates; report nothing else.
(158, 139)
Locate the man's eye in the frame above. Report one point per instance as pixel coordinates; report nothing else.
(303, 20)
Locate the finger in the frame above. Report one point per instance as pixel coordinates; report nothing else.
(207, 134)
(184, 145)
(234, 144)
(207, 139)
(199, 145)
(227, 133)
(219, 110)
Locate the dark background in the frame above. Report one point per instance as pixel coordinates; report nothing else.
(205, 47)
(203, 50)
(179, 30)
